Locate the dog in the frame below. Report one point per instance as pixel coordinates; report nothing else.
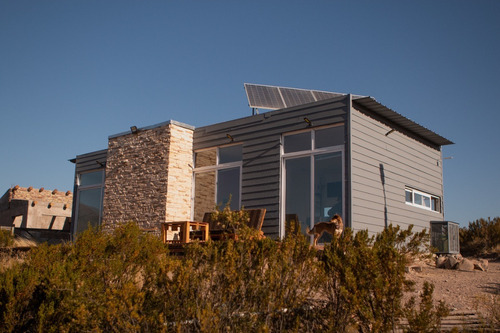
(335, 226)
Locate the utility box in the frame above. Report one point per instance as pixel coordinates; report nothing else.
(445, 237)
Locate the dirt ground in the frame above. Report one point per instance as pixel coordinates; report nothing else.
(463, 291)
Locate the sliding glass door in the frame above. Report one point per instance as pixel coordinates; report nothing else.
(313, 173)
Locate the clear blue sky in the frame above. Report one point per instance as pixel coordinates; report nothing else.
(74, 72)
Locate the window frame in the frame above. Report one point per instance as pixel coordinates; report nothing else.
(311, 153)
(431, 198)
(81, 188)
(215, 168)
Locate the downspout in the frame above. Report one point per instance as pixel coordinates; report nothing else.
(348, 163)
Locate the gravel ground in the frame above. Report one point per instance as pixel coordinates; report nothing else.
(463, 291)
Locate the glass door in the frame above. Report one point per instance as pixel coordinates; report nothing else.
(313, 189)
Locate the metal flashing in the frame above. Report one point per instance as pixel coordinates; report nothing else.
(169, 122)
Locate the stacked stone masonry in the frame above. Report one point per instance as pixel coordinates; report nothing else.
(148, 177)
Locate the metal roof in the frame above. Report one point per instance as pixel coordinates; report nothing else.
(371, 104)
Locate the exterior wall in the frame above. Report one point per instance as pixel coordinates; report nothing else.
(261, 139)
(139, 169)
(381, 168)
(36, 208)
(180, 174)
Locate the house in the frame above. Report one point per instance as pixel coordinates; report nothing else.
(39, 214)
(313, 155)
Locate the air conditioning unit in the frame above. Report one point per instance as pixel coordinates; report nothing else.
(445, 237)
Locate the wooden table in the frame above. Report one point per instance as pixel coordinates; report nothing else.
(179, 232)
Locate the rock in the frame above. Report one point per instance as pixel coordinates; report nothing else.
(413, 268)
(451, 263)
(466, 265)
(481, 265)
(440, 261)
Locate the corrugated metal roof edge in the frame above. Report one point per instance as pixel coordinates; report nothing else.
(373, 105)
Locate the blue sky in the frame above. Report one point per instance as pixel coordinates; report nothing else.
(74, 72)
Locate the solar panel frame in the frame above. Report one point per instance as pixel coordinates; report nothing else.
(266, 97)
(293, 97)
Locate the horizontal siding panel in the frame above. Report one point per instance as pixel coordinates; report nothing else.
(392, 179)
(264, 195)
(253, 188)
(428, 161)
(265, 161)
(266, 128)
(248, 182)
(257, 173)
(430, 165)
(396, 139)
(364, 156)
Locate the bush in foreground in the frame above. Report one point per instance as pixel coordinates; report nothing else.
(127, 282)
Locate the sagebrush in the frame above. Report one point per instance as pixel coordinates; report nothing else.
(127, 282)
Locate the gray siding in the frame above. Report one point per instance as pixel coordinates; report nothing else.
(398, 161)
(91, 161)
(261, 137)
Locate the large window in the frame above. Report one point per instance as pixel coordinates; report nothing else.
(217, 179)
(89, 200)
(422, 200)
(313, 173)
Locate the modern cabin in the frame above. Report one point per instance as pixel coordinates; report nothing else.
(315, 154)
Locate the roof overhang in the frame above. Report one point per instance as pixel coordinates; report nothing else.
(399, 120)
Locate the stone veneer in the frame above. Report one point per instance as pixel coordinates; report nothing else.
(149, 176)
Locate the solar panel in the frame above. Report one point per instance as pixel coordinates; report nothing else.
(321, 95)
(273, 98)
(294, 97)
(265, 97)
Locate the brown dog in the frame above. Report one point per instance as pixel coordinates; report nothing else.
(335, 226)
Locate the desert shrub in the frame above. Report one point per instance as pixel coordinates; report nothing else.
(125, 281)
(480, 237)
(99, 282)
(365, 278)
(6, 238)
(427, 318)
(255, 284)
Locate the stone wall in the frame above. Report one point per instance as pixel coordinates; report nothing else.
(148, 178)
(180, 174)
(36, 208)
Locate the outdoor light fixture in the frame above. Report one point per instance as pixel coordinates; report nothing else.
(230, 137)
(133, 129)
(392, 130)
(309, 123)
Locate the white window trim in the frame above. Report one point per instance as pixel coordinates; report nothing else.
(306, 153)
(424, 194)
(215, 168)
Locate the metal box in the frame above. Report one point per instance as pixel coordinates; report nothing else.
(445, 237)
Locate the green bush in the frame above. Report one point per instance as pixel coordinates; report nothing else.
(6, 238)
(365, 278)
(125, 281)
(427, 318)
(480, 237)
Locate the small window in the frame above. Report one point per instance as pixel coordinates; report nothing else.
(423, 200)
(328, 137)
(409, 196)
(91, 178)
(297, 142)
(205, 158)
(230, 154)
